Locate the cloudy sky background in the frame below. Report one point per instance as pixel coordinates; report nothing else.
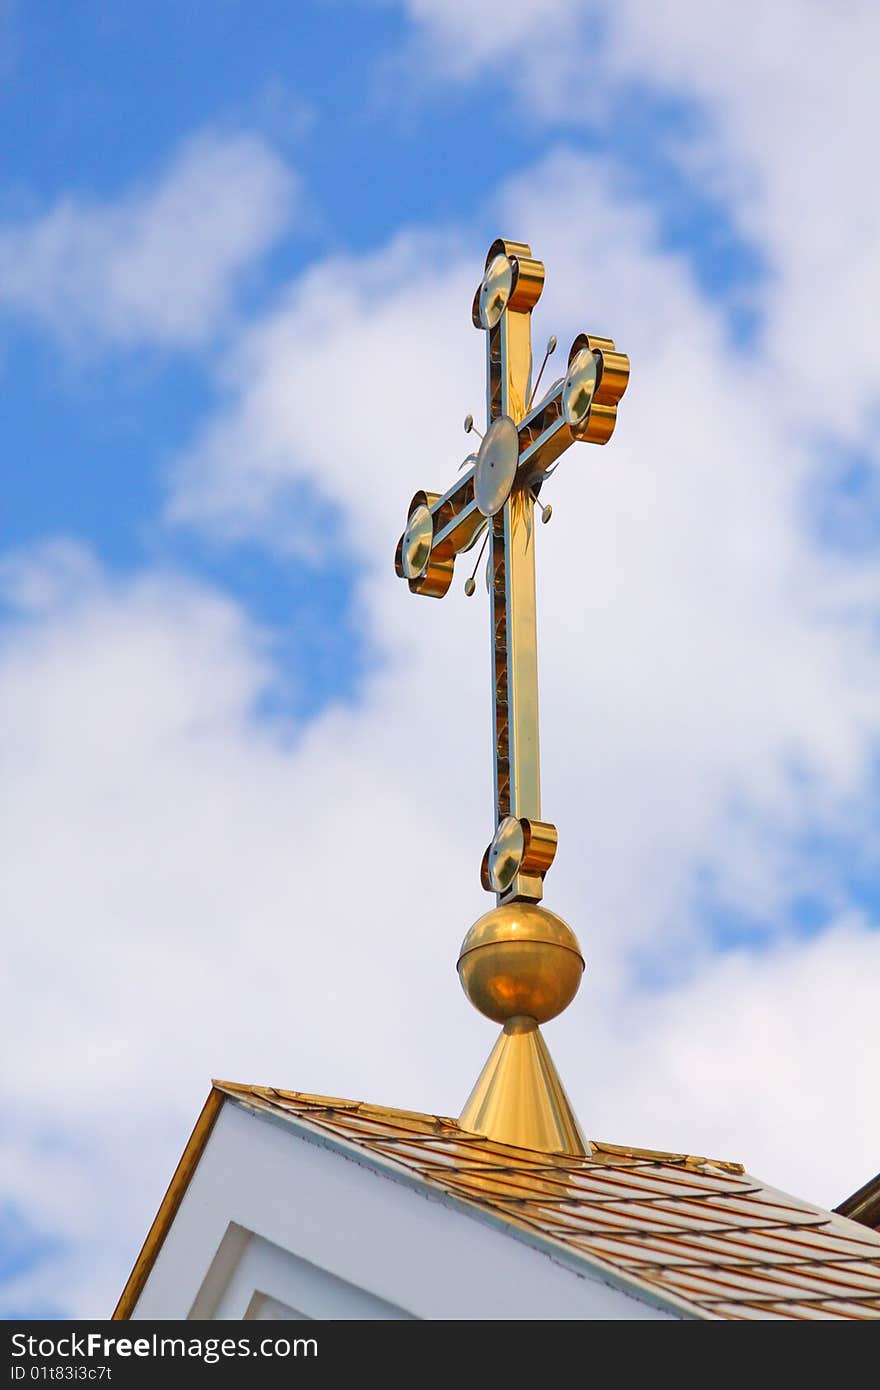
(246, 775)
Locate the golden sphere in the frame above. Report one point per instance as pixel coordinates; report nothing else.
(520, 959)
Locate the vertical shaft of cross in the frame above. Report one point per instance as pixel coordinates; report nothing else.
(512, 560)
(515, 655)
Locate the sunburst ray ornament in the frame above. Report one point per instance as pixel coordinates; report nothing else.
(520, 964)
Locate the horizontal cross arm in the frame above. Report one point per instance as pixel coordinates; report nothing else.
(547, 430)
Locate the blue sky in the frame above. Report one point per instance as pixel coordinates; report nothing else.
(209, 217)
(124, 91)
(378, 145)
(364, 134)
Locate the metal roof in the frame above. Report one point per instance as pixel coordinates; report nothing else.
(698, 1234)
(864, 1206)
(702, 1231)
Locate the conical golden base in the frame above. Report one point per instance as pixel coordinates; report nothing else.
(519, 1098)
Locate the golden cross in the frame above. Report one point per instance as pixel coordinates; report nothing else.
(496, 496)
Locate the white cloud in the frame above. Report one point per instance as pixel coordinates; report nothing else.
(161, 263)
(792, 104)
(188, 893)
(166, 900)
(463, 37)
(763, 1058)
(789, 104)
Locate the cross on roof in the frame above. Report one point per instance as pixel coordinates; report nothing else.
(495, 499)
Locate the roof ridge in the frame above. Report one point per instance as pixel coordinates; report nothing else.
(369, 1108)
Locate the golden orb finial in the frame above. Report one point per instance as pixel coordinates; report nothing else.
(521, 965)
(520, 961)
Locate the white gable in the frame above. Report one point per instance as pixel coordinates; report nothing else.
(275, 1224)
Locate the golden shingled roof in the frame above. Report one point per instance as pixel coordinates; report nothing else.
(695, 1234)
(702, 1234)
